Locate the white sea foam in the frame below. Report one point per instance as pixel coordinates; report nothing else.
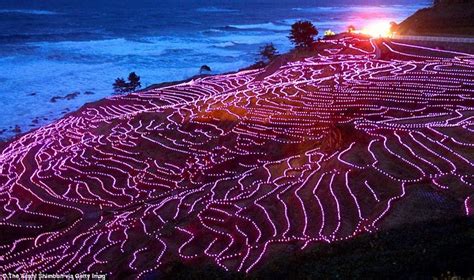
(225, 44)
(216, 10)
(60, 68)
(254, 38)
(264, 26)
(360, 8)
(27, 11)
(117, 47)
(335, 24)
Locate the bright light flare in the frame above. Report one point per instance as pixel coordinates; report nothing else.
(377, 29)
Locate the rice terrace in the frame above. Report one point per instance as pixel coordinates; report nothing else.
(227, 169)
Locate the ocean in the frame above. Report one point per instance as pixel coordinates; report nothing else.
(60, 48)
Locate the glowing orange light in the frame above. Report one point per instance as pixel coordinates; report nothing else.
(377, 29)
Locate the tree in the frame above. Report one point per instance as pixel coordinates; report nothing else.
(351, 28)
(268, 52)
(204, 69)
(302, 34)
(121, 86)
(134, 82)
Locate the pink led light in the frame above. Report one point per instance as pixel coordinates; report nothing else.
(223, 168)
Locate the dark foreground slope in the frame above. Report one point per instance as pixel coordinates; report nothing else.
(428, 250)
(236, 170)
(448, 18)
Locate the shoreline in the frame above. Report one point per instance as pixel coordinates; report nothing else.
(4, 141)
(288, 56)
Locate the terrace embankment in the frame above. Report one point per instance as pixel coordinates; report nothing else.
(440, 249)
(233, 169)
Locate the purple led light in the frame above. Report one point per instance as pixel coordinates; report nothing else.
(225, 167)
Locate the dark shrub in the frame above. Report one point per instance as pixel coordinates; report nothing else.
(302, 34)
(121, 86)
(268, 52)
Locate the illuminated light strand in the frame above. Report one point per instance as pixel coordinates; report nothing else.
(227, 162)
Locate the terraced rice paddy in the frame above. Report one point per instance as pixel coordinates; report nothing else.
(225, 169)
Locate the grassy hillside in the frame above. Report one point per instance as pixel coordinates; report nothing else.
(444, 19)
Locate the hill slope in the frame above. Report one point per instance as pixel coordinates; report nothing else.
(447, 18)
(231, 169)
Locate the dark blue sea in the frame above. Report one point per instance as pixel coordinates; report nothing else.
(53, 48)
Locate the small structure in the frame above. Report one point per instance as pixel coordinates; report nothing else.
(329, 33)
